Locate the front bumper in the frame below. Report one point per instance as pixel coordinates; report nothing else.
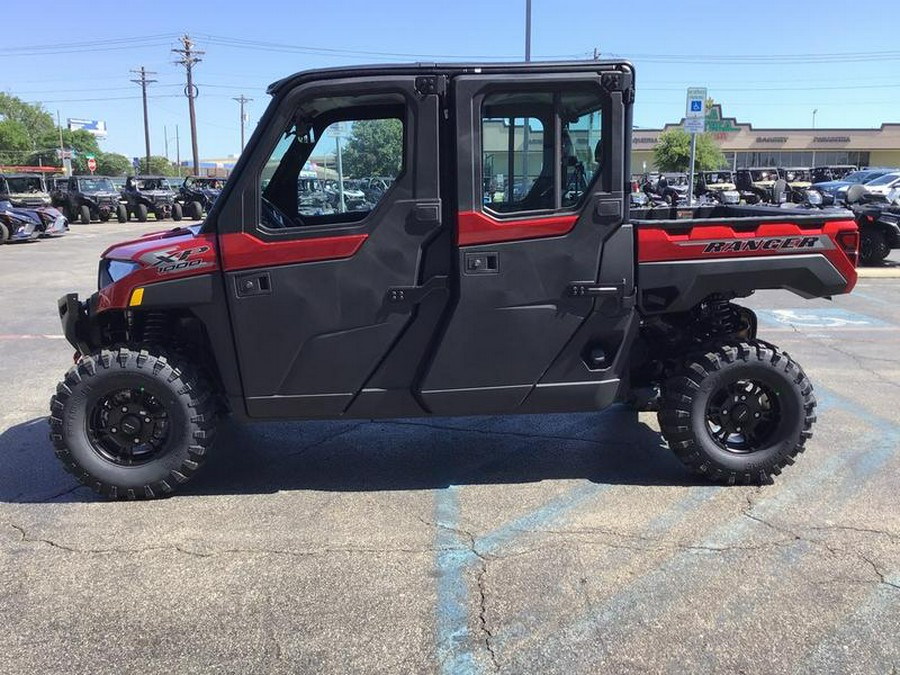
(75, 317)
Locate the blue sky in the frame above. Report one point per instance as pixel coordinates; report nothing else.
(771, 68)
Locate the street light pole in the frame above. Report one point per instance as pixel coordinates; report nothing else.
(815, 110)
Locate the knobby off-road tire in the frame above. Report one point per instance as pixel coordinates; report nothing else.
(132, 424)
(738, 413)
(196, 211)
(4, 233)
(177, 213)
(141, 212)
(122, 213)
(84, 214)
(873, 246)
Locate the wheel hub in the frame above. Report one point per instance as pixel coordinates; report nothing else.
(742, 416)
(129, 426)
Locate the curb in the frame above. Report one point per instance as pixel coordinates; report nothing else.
(878, 272)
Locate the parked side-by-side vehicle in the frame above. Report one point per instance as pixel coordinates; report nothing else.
(435, 301)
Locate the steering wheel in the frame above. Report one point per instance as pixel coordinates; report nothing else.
(274, 218)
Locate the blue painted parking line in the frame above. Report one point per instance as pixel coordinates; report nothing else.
(825, 317)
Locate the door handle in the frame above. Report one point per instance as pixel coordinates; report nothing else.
(255, 283)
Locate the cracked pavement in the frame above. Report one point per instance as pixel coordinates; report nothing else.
(550, 544)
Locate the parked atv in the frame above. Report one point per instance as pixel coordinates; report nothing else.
(21, 224)
(878, 219)
(26, 190)
(150, 194)
(93, 197)
(799, 180)
(197, 194)
(717, 186)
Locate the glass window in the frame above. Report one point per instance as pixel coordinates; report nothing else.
(522, 135)
(335, 163)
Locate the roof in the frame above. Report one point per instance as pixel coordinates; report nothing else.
(373, 70)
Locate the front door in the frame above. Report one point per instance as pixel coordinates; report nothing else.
(545, 265)
(322, 276)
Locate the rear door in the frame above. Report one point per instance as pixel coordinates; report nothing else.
(544, 262)
(323, 280)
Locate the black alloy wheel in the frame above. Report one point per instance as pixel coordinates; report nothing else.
(129, 426)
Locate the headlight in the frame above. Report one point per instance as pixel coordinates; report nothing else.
(813, 197)
(112, 271)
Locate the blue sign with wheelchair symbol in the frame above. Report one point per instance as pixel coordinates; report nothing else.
(696, 106)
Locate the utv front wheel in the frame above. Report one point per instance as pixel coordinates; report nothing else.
(122, 213)
(132, 424)
(141, 213)
(176, 212)
(85, 215)
(196, 210)
(4, 233)
(738, 413)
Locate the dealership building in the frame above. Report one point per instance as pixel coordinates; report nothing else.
(744, 145)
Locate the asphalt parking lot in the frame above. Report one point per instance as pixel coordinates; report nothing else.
(540, 544)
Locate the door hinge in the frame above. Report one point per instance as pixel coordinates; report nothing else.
(426, 85)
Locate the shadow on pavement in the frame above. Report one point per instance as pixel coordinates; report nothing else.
(260, 458)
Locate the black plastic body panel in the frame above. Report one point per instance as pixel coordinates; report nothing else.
(684, 283)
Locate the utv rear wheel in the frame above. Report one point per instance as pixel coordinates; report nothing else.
(132, 424)
(141, 213)
(176, 212)
(196, 211)
(122, 213)
(738, 413)
(85, 215)
(873, 247)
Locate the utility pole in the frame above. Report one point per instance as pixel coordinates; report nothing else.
(189, 58)
(528, 30)
(62, 151)
(166, 136)
(143, 81)
(242, 100)
(178, 151)
(596, 54)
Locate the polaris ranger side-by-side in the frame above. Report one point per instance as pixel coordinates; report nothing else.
(437, 300)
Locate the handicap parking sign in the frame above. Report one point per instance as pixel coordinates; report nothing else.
(696, 106)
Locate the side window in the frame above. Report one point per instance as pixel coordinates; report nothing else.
(334, 164)
(523, 134)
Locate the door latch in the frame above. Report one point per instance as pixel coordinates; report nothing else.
(482, 263)
(257, 283)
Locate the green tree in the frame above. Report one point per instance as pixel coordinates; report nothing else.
(158, 166)
(34, 120)
(14, 142)
(82, 142)
(673, 152)
(113, 164)
(375, 148)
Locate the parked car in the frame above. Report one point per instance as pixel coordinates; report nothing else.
(838, 188)
(879, 224)
(197, 194)
(150, 194)
(93, 198)
(24, 190)
(823, 174)
(883, 185)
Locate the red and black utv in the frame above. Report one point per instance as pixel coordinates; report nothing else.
(502, 272)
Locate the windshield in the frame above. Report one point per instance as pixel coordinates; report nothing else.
(862, 176)
(19, 184)
(763, 174)
(886, 179)
(797, 175)
(96, 185)
(718, 177)
(153, 184)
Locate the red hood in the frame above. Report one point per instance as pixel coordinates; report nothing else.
(133, 249)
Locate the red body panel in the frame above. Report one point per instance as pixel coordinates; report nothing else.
(244, 251)
(477, 228)
(661, 244)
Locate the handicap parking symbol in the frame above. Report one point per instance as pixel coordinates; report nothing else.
(820, 318)
(696, 105)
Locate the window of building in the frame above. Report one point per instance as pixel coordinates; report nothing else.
(322, 171)
(539, 150)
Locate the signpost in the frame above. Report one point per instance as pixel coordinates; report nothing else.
(694, 122)
(91, 164)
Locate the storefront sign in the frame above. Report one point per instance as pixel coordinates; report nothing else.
(831, 139)
(771, 139)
